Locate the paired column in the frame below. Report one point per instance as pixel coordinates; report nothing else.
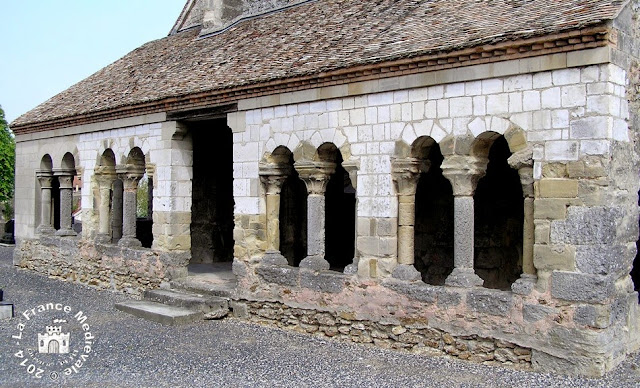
(272, 176)
(105, 179)
(130, 176)
(65, 178)
(45, 177)
(406, 174)
(315, 176)
(463, 172)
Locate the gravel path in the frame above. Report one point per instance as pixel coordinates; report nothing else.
(131, 352)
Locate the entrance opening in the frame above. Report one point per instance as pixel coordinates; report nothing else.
(55, 198)
(499, 218)
(340, 213)
(144, 211)
(212, 192)
(117, 191)
(293, 218)
(434, 227)
(635, 270)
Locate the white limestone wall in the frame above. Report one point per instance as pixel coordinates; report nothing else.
(566, 114)
(27, 188)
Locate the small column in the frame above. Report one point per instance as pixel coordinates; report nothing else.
(523, 162)
(272, 176)
(130, 178)
(65, 178)
(45, 177)
(406, 174)
(315, 176)
(105, 179)
(463, 172)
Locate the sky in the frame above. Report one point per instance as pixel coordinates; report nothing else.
(47, 46)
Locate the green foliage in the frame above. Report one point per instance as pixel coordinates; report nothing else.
(142, 210)
(7, 162)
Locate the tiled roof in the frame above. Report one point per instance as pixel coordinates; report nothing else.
(312, 38)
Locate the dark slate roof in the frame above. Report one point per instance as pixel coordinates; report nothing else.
(312, 38)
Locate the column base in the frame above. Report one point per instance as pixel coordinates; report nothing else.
(274, 258)
(103, 239)
(406, 272)
(525, 284)
(130, 242)
(46, 230)
(66, 233)
(352, 268)
(316, 263)
(463, 277)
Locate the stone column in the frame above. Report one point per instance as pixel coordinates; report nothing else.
(406, 174)
(45, 177)
(463, 172)
(65, 178)
(130, 178)
(523, 162)
(105, 179)
(272, 176)
(315, 176)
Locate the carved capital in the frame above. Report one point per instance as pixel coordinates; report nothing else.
(273, 175)
(406, 173)
(464, 172)
(523, 162)
(44, 177)
(315, 175)
(130, 175)
(352, 167)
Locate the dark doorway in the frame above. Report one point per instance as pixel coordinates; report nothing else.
(433, 249)
(293, 218)
(55, 198)
(499, 218)
(212, 192)
(340, 210)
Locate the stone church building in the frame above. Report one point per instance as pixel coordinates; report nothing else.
(451, 177)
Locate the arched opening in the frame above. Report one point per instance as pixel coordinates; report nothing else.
(434, 220)
(117, 191)
(293, 211)
(499, 218)
(340, 211)
(136, 163)
(212, 192)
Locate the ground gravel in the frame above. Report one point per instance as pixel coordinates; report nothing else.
(131, 352)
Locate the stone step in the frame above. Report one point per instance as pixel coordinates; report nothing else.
(161, 313)
(205, 286)
(213, 307)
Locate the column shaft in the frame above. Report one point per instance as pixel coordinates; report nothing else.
(45, 226)
(66, 206)
(406, 233)
(464, 232)
(315, 225)
(273, 222)
(528, 236)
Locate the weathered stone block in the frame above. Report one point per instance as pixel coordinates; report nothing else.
(581, 287)
(586, 225)
(448, 298)
(536, 312)
(325, 281)
(554, 257)
(542, 230)
(558, 188)
(490, 302)
(418, 291)
(602, 259)
(554, 209)
(285, 276)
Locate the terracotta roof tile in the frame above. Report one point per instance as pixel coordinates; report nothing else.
(310, 39)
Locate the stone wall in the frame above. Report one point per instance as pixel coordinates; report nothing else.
(104, 266)
(407, 335)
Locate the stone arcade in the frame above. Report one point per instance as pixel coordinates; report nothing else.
(450, 177)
